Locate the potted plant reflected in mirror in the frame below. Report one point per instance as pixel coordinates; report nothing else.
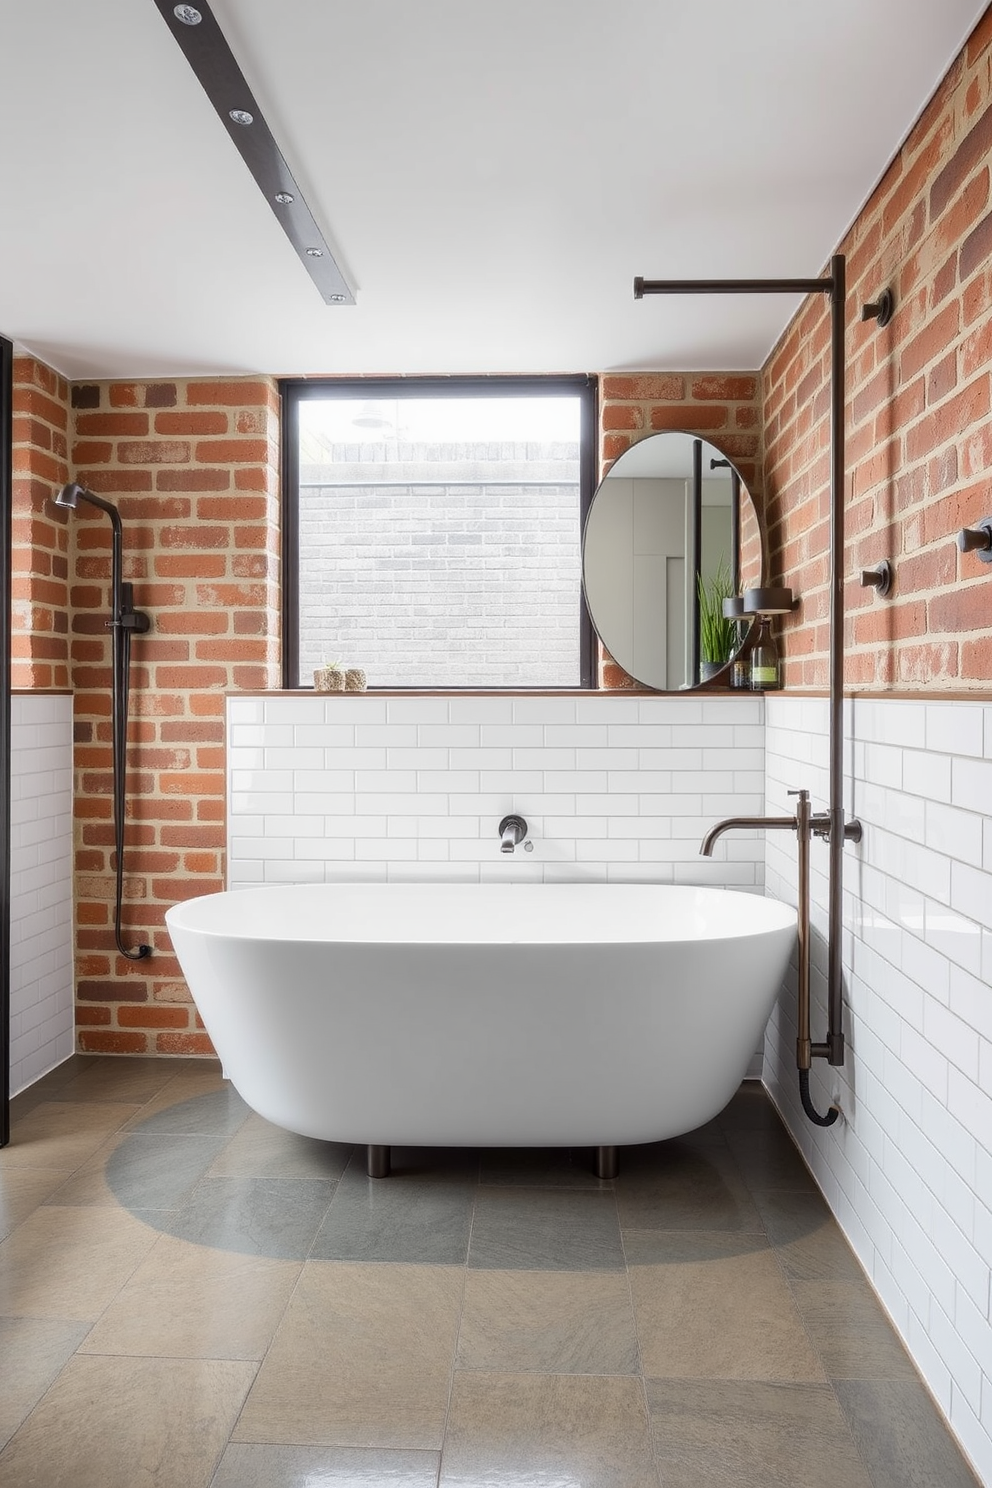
(717, 634)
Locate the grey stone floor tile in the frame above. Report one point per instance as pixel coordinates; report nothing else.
(32, 1351)
(121, 1423)
(901, 1435)
(47, 1087)
(22, 1190)
(769, 1159)
(685, 1185)
(247, 1465)
(547, 1431)
(210, 1114)
(540, 1167)
(748, 1434)
(430, 1162)
(399, 1218)
(808, 1241)
(850, 1331)
(129, 1080)
(708, 1308)
(723, 1237)
(545, 1229)
(260, 1150)
(275, 1217)
(142, 1172)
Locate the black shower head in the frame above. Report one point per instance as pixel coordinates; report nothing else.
(72, 493)
(69, 495)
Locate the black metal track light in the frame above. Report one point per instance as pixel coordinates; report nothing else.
(205, 48)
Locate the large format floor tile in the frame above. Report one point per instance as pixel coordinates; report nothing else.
(116, 1423)
(22, 1190)
(419, 1220)
(189, 1302)
(850, 1331)
(684, 1185)
(715, 1434)
(249, 1466)
(902, 1439)
(137, 1080)
(362, 1358)
(32, 1352)
(141, 1172)
(768, 1159)
(63, 1134)
(808, 1240)
(70, 1263)
(553, 1322)
(533, 1229)
(540, 1167)
(276, 1217)
(55, 1080)
(192, 1298)
(260, 1150)
(192, 1105)
(704, 1310)
(513, 1429)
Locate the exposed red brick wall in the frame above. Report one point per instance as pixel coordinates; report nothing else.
(722, 407)
(193, 469)
(39, 564)
(919, 449)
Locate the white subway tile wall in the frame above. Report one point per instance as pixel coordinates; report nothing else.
(909, 1172)
(41, 963)
(613, 788)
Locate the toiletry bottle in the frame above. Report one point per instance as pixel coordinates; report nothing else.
(740, 666)
(766, 669)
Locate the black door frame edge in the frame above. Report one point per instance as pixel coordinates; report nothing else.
(6, 507)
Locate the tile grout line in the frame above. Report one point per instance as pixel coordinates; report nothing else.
(458, 1331)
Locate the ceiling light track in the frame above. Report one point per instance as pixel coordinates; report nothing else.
(206, 50)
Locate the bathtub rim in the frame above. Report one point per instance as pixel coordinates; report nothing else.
(746, 922)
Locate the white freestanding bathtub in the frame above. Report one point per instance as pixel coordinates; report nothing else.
(484, 1015)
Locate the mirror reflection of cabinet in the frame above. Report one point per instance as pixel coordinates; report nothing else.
(671, 515)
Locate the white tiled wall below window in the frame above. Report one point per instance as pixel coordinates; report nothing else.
(389, 788)
(908, 1171)
(41, 964)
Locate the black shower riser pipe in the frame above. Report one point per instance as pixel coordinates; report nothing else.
(839, 831)
(124, 622)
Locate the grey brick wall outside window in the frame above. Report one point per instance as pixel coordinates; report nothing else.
(442, 565)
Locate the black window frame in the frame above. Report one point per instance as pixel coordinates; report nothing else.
(294, 391)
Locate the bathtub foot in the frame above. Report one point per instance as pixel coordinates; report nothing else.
(377, 1162)
(606, 1164)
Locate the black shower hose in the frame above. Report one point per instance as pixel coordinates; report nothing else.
(121, 688)
(808, 1105)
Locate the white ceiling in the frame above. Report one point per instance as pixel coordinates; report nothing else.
(490, 176)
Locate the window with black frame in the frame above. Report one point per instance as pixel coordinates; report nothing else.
(432, 531)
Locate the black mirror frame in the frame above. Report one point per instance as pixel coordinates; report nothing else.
(740, 488)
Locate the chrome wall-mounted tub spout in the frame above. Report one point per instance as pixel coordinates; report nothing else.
(124, 622)
(512, 831)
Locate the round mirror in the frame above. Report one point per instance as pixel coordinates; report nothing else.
(671, 533)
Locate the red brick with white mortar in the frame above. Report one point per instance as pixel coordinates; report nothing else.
(193, 469)
(39, 560)
(919, 396)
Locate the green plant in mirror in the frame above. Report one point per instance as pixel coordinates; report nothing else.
(717, 634)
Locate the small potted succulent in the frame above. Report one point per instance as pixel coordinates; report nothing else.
(329, 678)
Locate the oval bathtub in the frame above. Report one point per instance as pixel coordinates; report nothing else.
(484, 1015)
